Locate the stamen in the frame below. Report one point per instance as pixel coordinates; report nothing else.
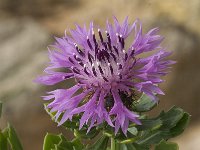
(75, 70)
(94, 71)
(89, 44)
(122, 41)
(105, 78)
(109, 46)
(108, 37)
(100, 55)
(94, 39)
(78, 50)
(96, 52)
(109, 41)
(90, 57)
(116, 50)
(100, 69)
(105, 45)
(106, 54)
(120, 76)
(86, 70)
(71, 60)
(119, 38)
(111, 68)
(126, 55)
(114, 57)
(133, 52)
(77, 58)
(120, 66)
(100, 35)
(81, 63)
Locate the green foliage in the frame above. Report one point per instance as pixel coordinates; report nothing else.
(139, 137)
(73, 125)
(50, 141)
(163, 145)
(100, 144)
(144, 104)
(59, 142)
(3, 142)
(171, 124)
(83, 133)
(9, 139)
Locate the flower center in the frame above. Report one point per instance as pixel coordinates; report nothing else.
(104, 61)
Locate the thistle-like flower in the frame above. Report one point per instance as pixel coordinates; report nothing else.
(107, 70)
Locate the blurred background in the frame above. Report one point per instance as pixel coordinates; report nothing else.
(27, 27)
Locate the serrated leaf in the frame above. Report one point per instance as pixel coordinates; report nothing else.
(77, 145)
(144, 104)
(3, 142)
(63, 144)
(100, 144)
(59, 142)
(171, 117)
(50, 140)
(163, 145)
(12, 138)
(172, 125)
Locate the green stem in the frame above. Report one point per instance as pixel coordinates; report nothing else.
(112, 143)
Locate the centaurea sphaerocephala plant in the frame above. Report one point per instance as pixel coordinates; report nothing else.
(114, 82)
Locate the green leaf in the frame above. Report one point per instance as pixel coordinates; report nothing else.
(59, 142)
(150, 124)
(63, 144)
(152, 137)
(133, 130)
(163, 145)
(50, 140)
(144, 104)
(83, 133)
(141, 147)
(0, 108)
(77, 145)
(70, 124)
(130, 147)
(171, 118)
(3, 142)
(172, 124)
(12, 138)
(100, 144)
(119, 146)
(180, 126)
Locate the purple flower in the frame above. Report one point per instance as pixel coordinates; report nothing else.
(107, 70)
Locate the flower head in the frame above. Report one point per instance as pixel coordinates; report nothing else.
(108, 70)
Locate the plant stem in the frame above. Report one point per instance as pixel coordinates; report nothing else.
(112, 143)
